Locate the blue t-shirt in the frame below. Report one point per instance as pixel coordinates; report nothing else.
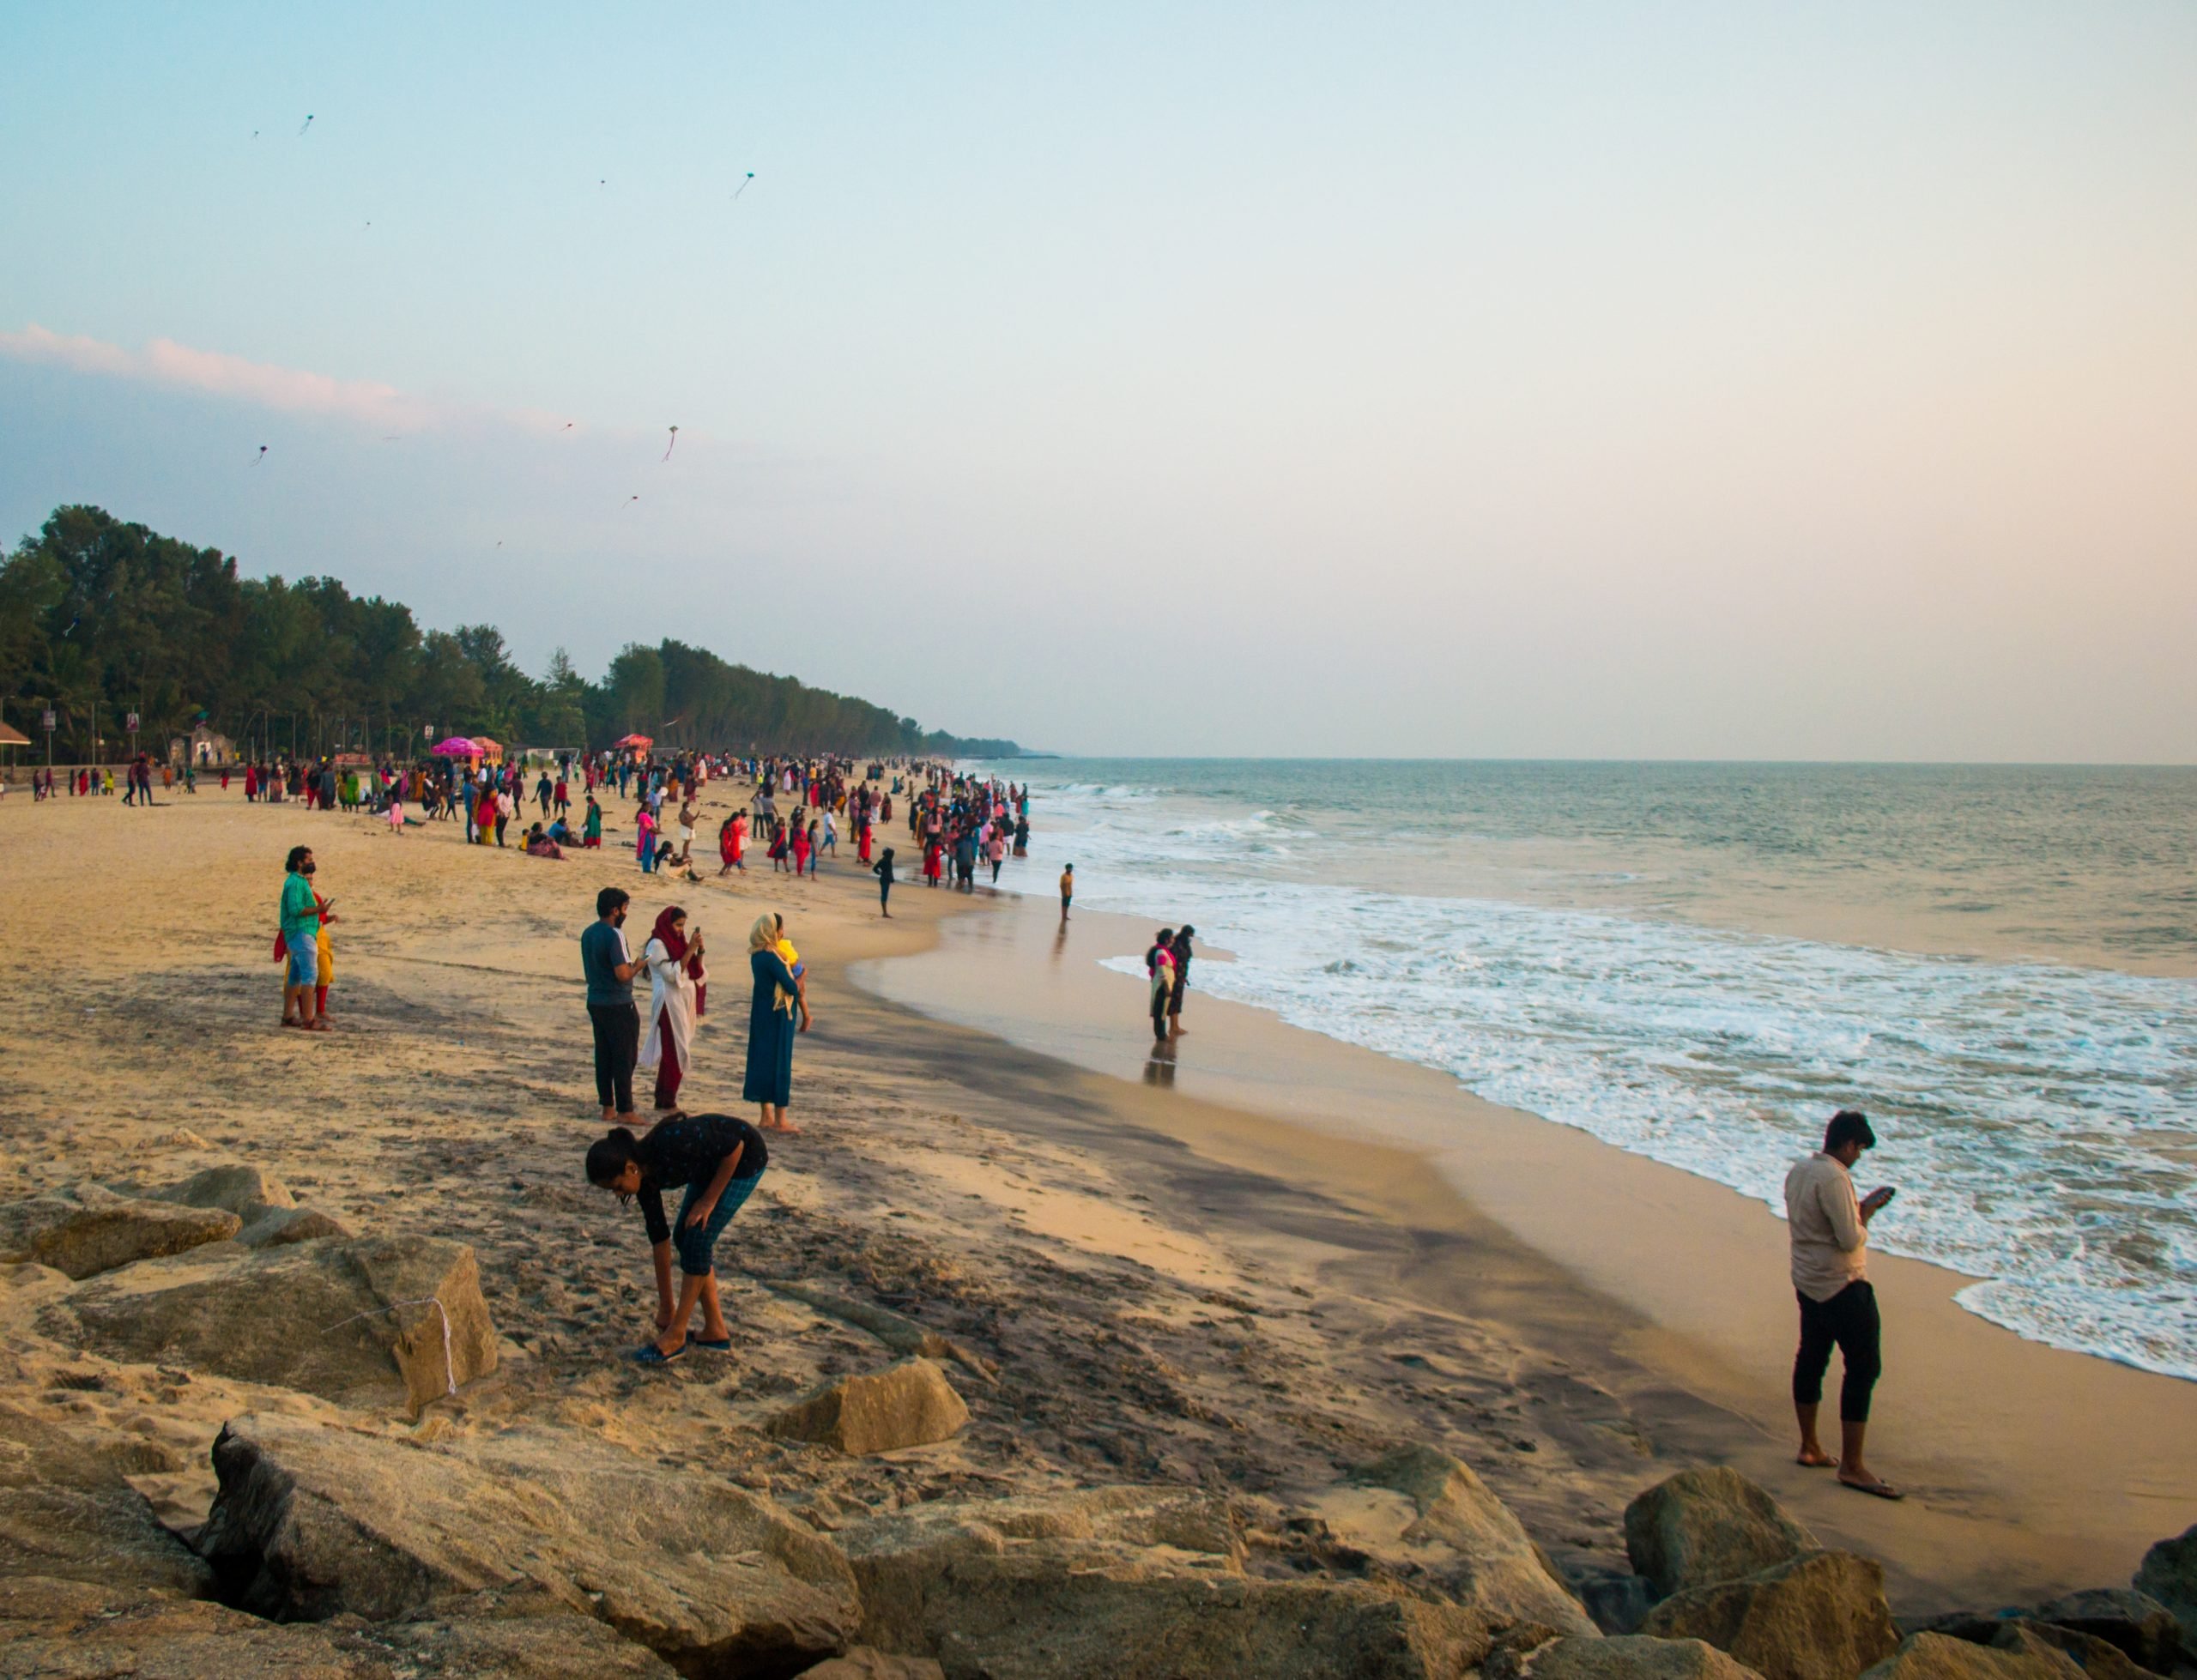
(602, 951)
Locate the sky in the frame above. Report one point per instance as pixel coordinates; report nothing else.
(1658, 380)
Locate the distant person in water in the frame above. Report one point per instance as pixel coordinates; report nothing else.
(1067, 888)
(1181, 952)
(718, 1159)
(1159, 964)
(1830, 1232)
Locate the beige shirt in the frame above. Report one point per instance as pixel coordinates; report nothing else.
(1829, 1239)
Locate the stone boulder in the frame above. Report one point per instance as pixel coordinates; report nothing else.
(1820, 1616)
(1630, 1657)
(65, 1514)
(1422, 1513)
(372, 1322)
(1127, 1582)
(2169, 1573)
(2014, 1629)
(908, 1403)
(88, 1232)
(2137, 1624)
(2015, 1655)
(63, 1629)
(312, 1522)
(277, 1226)
(233, 1186)
(1705, 1525)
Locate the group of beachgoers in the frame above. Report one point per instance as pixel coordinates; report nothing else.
(715, 1159)
(97, 781)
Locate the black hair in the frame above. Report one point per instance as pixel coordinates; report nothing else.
(1847, 1126)
(1184, 931)
(297, 856)
(1164, 936)
(607, 1157)
(610, 898)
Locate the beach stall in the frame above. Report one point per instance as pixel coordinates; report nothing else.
(457, 747)
(637, 745)
(491, 751)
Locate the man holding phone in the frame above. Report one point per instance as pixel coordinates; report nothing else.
(1829, 1230)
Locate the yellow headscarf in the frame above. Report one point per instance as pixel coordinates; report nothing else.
(764, 936)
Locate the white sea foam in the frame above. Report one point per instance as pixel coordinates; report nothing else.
(2042, 1118)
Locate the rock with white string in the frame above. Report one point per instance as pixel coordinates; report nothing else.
(375, 1321)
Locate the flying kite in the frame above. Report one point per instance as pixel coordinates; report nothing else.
(742, 187)
(673, 444)
(261, 457)
(307, 123)
(628, 502)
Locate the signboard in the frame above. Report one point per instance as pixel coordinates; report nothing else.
(51, 720)
(130, 724)
(427, 732)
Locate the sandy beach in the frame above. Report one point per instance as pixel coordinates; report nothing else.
(1249, 1272)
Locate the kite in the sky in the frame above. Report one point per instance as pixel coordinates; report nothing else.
(673, 444)
(629, 501)
(743, 186)
(307, 123)
(261, 457)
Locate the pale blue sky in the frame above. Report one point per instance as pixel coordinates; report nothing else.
(1611, 380)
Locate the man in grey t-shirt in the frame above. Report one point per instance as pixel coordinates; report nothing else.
(610, 968)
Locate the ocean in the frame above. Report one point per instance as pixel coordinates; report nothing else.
(1699, 963)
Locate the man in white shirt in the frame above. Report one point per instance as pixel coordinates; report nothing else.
(1830, 1232)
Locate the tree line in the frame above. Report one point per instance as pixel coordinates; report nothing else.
(99, 618)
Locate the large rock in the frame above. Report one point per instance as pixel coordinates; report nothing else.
(275, 1226)
(2169, 1573)
(2135, 1622)
(2016, 1655)
(85, 1235)
(909, 1404)
(1631, 1657)
(64, 1630)
(311, 1522)
(234, 1187)
(1821, 1617)
(1709, 1525)
(1127, 1582)
(65, 1516)
(1422, 1512)
(369, 1322)
(2017, 1630)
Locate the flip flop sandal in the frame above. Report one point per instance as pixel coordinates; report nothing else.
(724, 1345)
(650, 1354)
(1876, 1489)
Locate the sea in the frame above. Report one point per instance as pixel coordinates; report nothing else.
(1698, 962)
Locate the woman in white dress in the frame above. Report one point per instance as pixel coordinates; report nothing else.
(668, 1049)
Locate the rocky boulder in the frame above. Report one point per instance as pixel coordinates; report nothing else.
(860, 1663)
(1626, 1657)
(908, 1403)
(1127, 1582)
(2015, 1655)
(2169, 1573)
(2137, 1624)
(370, 1322)
(312, 1522)
(1705, 1526)
(1820, 1616)
(233, 1186)
(1423, 1514)
(65, 1516)
(90, 1231)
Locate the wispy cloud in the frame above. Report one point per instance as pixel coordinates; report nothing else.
(263, 384)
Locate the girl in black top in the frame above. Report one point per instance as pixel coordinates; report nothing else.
(718, 1159)
(884, 874)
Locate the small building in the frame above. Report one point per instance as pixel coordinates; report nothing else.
(207, 748)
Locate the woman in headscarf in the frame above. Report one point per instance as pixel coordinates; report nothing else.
(668, 1048)
(773, 1017)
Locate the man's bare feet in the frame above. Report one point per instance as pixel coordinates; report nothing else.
(1814, 1458)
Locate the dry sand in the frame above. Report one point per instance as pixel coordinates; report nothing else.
(1171, 1283)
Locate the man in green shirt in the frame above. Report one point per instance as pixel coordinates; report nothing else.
(300, 919)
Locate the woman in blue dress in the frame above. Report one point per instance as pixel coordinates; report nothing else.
(772, 1022)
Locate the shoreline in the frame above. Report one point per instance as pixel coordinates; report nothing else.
(1967, 1416)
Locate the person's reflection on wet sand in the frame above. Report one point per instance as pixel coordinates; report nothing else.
(1159, 1066)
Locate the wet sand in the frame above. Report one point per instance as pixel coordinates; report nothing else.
(2030, 1470)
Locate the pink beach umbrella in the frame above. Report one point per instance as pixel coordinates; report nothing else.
(458, 747)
